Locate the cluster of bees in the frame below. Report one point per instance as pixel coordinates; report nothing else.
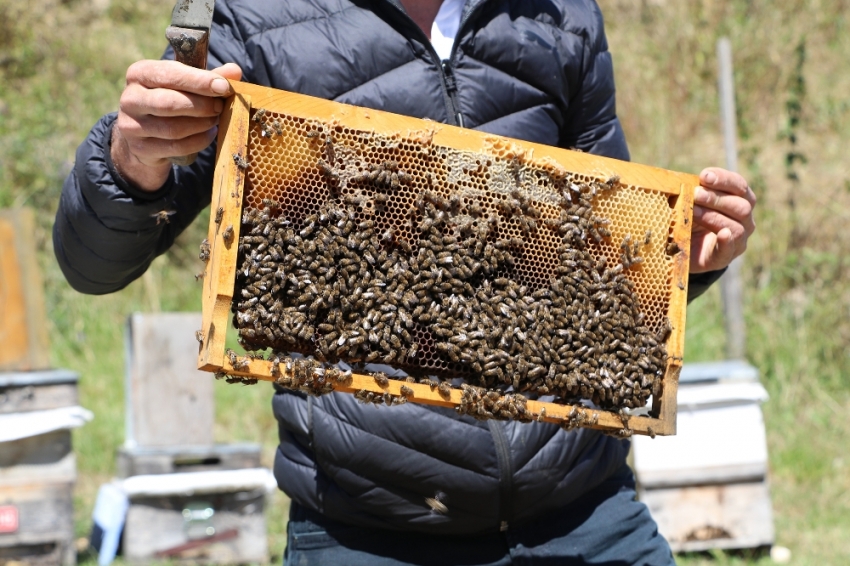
(335, 287)
(303, 374)
(268, 127)
(486, 404)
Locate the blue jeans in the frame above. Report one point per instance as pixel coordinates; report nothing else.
(603, 527)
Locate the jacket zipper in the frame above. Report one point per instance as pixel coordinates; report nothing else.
(447, 77)
(450, 85)
(449, 82)
(506, 472)
(497, 429)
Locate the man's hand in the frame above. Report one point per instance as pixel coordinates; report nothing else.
(167, 109)
(723, 219)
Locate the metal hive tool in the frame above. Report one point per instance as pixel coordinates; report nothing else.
(349, 234)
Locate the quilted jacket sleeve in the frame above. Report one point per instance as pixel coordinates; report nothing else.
(106, 232)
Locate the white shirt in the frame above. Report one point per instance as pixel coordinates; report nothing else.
(444, 28)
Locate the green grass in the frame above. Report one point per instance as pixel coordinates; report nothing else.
(62, 65)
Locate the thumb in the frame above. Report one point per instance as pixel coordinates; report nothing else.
(722, 252)
(230, 71)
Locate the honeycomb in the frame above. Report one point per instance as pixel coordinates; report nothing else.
(498, 220)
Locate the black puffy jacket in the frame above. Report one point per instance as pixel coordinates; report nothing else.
(537, 70)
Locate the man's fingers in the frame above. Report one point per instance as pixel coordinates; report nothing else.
(723, 219)
(168, 88)
(230, 71)
(733, 206)
(715, 221)
(711, 251)
(166, 109)
(138, 100)
(704, 245)
(177, 76)
(166, 128)
(727, 182)
(151, 150)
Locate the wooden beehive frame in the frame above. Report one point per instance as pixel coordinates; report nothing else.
(227, 195)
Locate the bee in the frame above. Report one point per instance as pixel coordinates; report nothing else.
(240, 161)
(329, 151)
(219, 214)
(259, 116)
(242, 363)
(381, 379)
(673, 248)
(162, 216)
(445, 389)
(326, 169)
(274, 368)
(414, 349)
(344, 376)
(406, 392)
(199, 276)
(436, 503)
(664, 333)
(204, 254)
(612, 180)
(227, 235)
(541, 415)
(199, 336)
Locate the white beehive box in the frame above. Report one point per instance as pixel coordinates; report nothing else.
(38, 467)
(707, 487)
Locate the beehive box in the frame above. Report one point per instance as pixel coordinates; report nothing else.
(24, 344)
(37, 470)
(507, 279)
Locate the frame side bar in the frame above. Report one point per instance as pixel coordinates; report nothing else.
(223, 235)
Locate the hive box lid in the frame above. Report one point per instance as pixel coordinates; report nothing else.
(16, 426)
(726, 370)
(41, 377)
(193, 483)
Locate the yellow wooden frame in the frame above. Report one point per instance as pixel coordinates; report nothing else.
(227, 195)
